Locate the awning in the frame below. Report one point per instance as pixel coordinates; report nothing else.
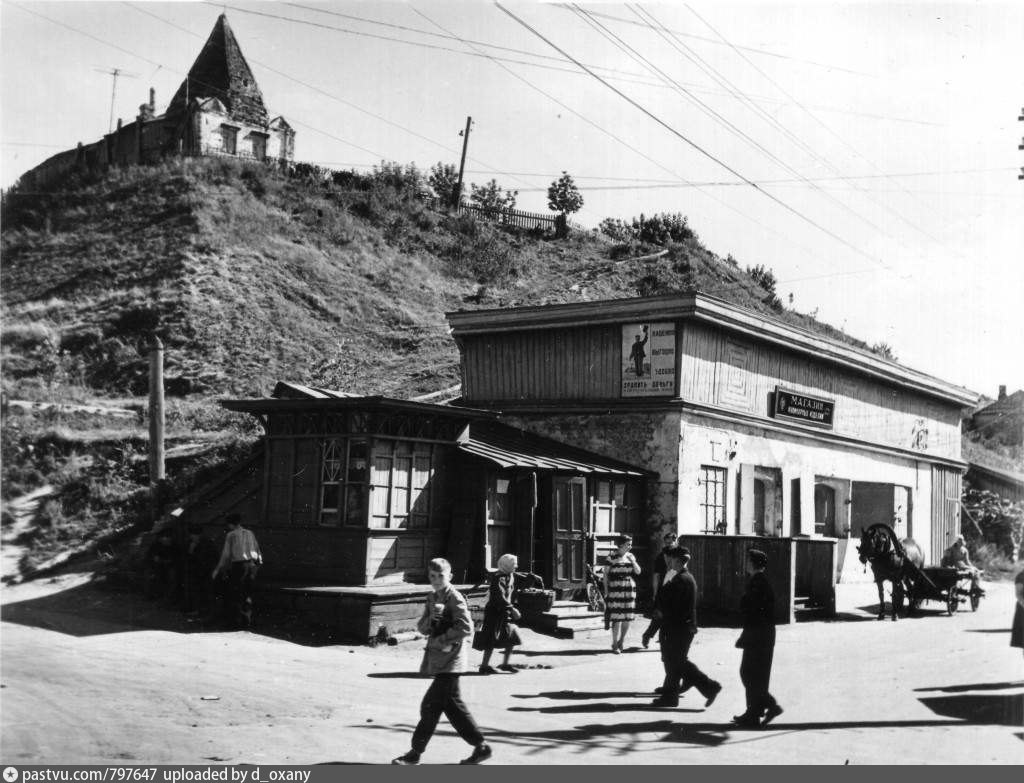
(509, 447)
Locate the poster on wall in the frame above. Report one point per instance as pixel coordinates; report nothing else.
(649, 360)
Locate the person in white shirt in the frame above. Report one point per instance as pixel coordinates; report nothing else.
(240, 559)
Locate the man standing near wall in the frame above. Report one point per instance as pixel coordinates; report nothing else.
(240, 559)
(676, 608)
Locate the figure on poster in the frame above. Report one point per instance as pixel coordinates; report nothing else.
(638, 354)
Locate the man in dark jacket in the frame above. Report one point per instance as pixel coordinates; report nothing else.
(676, 607)
(758, 644)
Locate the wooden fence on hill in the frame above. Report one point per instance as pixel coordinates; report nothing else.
(510, 217)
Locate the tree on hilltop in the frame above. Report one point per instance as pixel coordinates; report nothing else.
(493, 197)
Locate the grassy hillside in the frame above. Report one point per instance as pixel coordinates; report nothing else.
(250, 276)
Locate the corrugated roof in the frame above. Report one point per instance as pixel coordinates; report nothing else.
(509, 447)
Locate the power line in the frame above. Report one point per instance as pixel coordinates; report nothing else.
(689, 141)
(745, 48)
(611, 135)
(623, 75)
(616, 40)
(812, 116)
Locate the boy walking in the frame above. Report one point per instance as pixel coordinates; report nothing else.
(446, 623)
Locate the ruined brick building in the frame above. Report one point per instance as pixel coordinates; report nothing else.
(217, 110)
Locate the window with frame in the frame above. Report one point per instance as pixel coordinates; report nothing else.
(616, 506)
(343, 481)
(402, 484)
(712, 482)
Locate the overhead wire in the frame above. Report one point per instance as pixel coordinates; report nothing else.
(325, 93)
(629, 146)
(625, 76)
(714, 114)
(810, 114)
(706, 153)
(746, 48)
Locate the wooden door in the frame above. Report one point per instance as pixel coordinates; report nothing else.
(824, 510)
(568, 525)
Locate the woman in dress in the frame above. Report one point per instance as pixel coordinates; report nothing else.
(620, 590)
(500, 615)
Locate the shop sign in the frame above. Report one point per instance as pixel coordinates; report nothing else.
(649, 360)
(802, 407)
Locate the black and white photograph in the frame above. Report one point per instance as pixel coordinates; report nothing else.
(509, 383)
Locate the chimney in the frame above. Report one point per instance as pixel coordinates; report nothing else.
(1002, 392)
(152, 101)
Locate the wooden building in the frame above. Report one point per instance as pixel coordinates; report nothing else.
(364, 491)
(754, 427)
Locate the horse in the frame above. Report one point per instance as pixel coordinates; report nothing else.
(891, 560)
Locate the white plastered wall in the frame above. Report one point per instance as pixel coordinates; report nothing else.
(722, 444)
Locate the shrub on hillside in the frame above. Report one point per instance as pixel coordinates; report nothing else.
(29, 338)
(662, 228)
(407, 180)
(616, 229)
(443, 180)
(492, 197)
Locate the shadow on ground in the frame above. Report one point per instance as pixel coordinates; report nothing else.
(988, 709)
(98, 607)
(628, 737)
(978, 686)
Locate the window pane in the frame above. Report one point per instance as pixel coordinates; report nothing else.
(356, 460)
(604, 491)
(355, 505)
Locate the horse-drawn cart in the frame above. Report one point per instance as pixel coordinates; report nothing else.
(902, 564)
(947, 585)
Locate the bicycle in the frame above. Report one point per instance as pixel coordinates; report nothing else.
(595, 590)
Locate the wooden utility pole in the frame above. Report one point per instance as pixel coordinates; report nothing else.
(457, 195)
(156, 413)
(115, 72)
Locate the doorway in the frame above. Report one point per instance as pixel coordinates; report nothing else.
(824, 510)
(566, 532)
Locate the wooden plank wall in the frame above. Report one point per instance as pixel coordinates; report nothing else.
(815, 577)
(718, 565)
(719, 369)
(570, 364)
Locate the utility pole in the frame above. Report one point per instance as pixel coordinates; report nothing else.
(156, 412)
(114, 72)
(457, 195)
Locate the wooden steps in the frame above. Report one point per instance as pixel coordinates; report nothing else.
(568, 620)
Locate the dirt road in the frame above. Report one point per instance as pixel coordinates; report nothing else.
(90, 676)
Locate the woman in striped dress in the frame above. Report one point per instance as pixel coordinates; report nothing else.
(620, 590)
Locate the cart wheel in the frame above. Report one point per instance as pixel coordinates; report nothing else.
(975, 600)
(952, 601)
(594, 598)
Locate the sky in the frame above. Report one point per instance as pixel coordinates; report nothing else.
(867, 153)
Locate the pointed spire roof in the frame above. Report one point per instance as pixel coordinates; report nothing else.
(220, 71)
